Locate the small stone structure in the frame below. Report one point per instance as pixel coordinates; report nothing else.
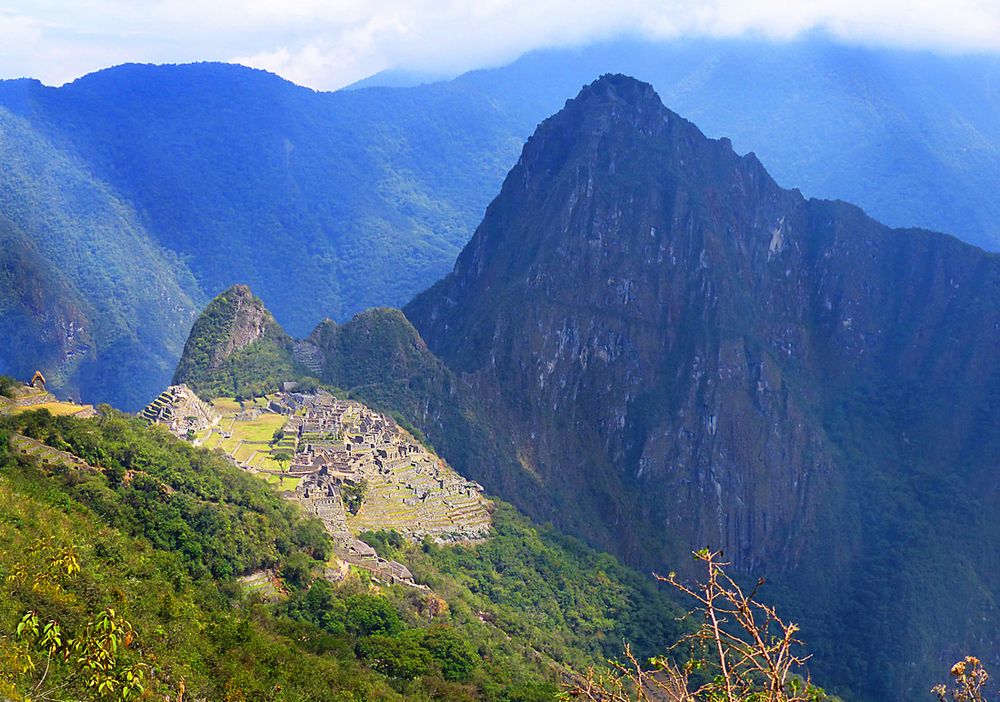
(34, 394)
(181, 411)
(38, 381)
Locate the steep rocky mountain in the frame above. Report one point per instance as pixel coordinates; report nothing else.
(235, 348)
(215, 174)
(681, 353)
(912, 137)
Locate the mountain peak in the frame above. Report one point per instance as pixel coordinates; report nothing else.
(620, 88)
(618, 122)
(234, 344)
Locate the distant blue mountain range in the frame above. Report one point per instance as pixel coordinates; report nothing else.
(205, 175)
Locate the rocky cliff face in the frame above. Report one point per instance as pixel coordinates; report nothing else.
(607, 304)
(248, 320)
(682, 353)
(235, 348)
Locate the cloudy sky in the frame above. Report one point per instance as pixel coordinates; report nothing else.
(326, 44)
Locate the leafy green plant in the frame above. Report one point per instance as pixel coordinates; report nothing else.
(7, 385)
(387, 543)
(353, 495)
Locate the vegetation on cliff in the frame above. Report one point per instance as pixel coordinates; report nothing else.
(235, 348)
(161, 530)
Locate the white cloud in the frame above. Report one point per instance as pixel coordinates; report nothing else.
(329, 43)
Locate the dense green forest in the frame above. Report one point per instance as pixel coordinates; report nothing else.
(325, 203)
(161, 532)
(85, 293)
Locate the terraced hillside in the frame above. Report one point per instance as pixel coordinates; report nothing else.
(353, 468)
(24, 398)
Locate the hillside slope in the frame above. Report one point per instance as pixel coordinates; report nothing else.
(161, 530)
(361, 197)
(89, 296)
(682, 353)
(158, 547)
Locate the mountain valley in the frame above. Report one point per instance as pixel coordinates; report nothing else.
(652, 345)
(429, 445)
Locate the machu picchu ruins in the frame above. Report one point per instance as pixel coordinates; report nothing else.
(318, 448)
(181, 411)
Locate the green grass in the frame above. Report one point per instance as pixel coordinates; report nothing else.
(213, 440)
(282, 482)
(226, 405)
(243, 453)
(59, 409)
(255, 435)
(260, 429)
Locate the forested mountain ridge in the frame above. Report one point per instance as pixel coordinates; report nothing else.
(229, 175)
(682, 353)
(87, 295)
(364, 197)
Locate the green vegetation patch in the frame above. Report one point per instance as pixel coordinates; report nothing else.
(64, 560)
(59, 409)
(565, 599)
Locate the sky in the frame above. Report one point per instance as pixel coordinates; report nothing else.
(326, 44)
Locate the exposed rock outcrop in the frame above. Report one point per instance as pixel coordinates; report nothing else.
(681, 353)
(235, 348)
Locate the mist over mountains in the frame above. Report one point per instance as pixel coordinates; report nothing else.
(364, 197)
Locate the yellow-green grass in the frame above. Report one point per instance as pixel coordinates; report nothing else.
(265, 462)
(260, 429)
(244, 452)
(60, 409)
(282, 482)
(212, 440)
(226, 405)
